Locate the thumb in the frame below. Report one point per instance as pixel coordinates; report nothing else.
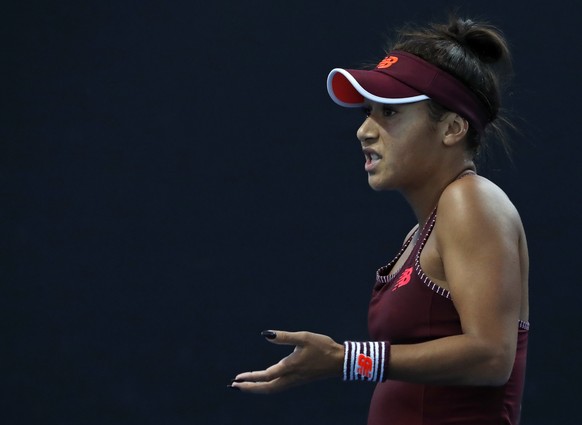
(284, 338)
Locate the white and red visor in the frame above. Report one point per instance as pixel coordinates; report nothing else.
(405, 78)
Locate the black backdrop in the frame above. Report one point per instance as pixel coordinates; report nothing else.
(175, 180)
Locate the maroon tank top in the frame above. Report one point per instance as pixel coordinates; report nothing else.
(407, 308)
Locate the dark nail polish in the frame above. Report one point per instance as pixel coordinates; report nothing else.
(269, 334)
(236, 380)
(233, 388)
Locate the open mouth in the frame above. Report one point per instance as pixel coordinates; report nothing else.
(372, 158)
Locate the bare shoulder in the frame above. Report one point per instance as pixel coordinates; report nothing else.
(476, 205)
(479, 238)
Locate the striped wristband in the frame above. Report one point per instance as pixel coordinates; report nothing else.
(365, 361)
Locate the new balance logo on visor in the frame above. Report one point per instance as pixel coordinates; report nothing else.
(387, 62)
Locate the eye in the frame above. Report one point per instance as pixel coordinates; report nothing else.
(367, 111)
(387, 111)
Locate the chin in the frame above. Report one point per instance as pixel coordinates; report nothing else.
(381, 184)
(376, 185)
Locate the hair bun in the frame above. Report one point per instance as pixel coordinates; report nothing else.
(483, 40)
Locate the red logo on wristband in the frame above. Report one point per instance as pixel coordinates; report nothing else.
(365, 365)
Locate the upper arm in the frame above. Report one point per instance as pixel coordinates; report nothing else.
(477, 235)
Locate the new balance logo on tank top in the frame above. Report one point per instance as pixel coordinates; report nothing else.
(406, 308)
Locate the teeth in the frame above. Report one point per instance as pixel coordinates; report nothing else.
(372, 156)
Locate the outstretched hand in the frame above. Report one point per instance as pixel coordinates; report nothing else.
(315, 357)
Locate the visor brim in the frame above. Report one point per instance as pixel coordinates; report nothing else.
(352, 87)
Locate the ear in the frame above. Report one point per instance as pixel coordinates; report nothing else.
(456, 128)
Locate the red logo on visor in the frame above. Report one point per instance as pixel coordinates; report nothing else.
(387, 62)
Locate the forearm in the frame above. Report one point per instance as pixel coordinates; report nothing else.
(454, 360)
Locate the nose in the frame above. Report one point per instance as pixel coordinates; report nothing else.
(368, 131)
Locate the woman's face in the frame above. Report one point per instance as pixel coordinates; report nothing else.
(401, 145)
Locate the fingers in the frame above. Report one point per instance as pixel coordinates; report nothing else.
(270, 387)
(274, 379)
(266, 375)
(285, 338)
(261, 382)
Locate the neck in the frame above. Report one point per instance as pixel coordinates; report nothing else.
(424, 199)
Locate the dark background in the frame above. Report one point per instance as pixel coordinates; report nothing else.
(175, 179)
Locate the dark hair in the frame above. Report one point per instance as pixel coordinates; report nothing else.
(477, 55)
